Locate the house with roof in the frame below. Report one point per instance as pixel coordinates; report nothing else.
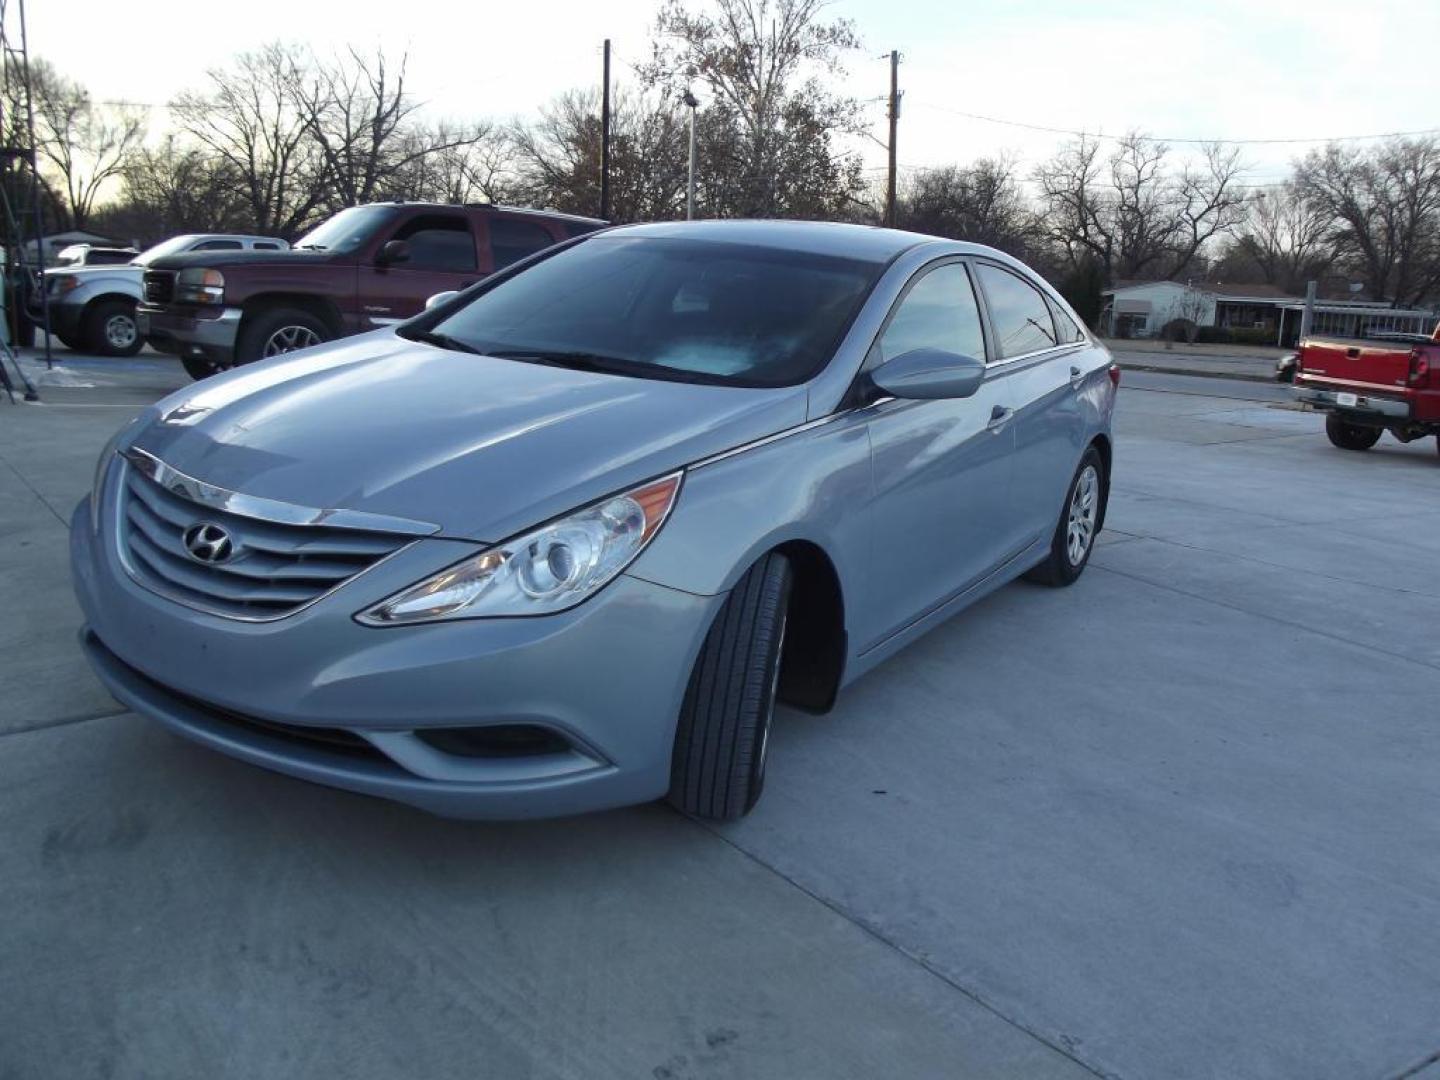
(1141, 309)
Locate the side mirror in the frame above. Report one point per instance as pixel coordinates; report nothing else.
(394, 251)
(929, 374)
(440, 298)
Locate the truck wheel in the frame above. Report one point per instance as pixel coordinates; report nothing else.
(200, 367)
(1348, 436)
(279, 330)
(110, 329)
(718, 766)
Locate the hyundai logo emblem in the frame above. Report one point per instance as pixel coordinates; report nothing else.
(209, 543)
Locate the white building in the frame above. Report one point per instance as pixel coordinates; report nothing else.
(1144, 308)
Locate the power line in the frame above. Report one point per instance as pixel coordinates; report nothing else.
(1166, 139)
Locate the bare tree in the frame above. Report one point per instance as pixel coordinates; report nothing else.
(361, 117)
(1384, 207)
(254, 119)
(174, 188)
(559, 156)
(980, 202)
(80, 146)
(1284, 241)
(1130, 212)
(770, 122)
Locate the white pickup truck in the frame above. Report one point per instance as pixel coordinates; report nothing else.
(92, 308)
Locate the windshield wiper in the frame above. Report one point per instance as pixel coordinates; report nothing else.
(445, 341)
(576, 360)
(311, 247)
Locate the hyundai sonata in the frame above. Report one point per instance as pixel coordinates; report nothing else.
(561, 542)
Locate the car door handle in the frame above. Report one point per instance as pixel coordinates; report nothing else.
(999, 417)
(1076, 376)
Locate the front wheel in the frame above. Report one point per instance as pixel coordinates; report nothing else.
(111, 330)
(1348, 436)
(279, 330)
(1074, 535)
(718, 766)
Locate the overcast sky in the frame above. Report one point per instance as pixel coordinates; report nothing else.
(1262, 69)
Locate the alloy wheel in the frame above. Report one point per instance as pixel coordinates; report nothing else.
(288, 339)
(1084, 508)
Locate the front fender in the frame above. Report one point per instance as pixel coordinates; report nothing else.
(811, 485)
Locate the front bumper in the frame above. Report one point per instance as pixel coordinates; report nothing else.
(1371, 405)
(208, 332)
(607, 677)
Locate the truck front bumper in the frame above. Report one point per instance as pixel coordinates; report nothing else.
(207, 332)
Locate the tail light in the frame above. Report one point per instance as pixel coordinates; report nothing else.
(1114, 374)
(1419, 366)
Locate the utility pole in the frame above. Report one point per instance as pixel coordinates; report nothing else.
(605, 139)
(692, 103)
(894, 123)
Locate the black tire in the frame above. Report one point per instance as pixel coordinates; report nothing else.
(262, 332)
(717, 770)
(110, 329)
(1063, 566)
(200, 367)
(1348, 436)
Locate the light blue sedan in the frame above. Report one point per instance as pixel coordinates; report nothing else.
(562, 541)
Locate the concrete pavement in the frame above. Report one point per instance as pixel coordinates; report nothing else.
(1179, 820)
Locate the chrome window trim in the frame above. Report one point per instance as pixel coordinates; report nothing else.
(273, 510)
(1068, 346)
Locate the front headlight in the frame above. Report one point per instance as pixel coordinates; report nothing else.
(197, 285)
(546, 570)
(60, 284)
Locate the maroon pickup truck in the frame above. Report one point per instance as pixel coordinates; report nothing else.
(1372, 386)
(366, 267)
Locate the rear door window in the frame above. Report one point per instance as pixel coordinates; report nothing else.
(1067, 331)
(217, 245)
(512, 239)
(438, 242)
(1018, 312)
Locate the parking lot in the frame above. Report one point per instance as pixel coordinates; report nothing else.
(1177, 821)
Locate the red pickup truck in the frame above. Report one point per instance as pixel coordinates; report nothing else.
(366, 267)
(1389, 383)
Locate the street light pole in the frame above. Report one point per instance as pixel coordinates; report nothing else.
(694, 104)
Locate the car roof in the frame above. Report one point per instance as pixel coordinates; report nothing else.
(494, 208)
(834, 238)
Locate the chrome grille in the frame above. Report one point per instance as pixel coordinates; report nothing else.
(275, 568)
(159, 286)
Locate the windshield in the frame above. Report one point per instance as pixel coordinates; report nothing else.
(346, 231)
(173, 246)
(698, 311)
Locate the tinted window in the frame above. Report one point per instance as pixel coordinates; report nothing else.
(691, 310)
(1018, 312)
(939, 312)
(261, 245)
(438, 243)
(217, 245)
(1065, 327)
(511, 240)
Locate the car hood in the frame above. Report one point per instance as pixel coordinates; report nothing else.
(248, 258)
(480, 446)
(86, 273)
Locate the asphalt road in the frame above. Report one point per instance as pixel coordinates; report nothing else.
(1177, 821)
